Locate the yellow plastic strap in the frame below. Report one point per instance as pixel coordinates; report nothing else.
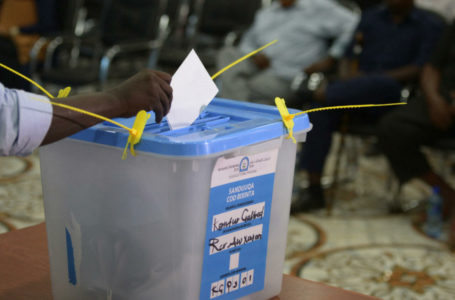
(28, 79)
(64, 93)
(288, 118)
(136, 133)
(347, 107)
(242, 59)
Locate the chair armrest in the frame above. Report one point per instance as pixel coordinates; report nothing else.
(232, 38)
(41, 43)
(115, 50)
(35, 51)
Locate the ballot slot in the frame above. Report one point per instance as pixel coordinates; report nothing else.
(206, 121)
(222, 122)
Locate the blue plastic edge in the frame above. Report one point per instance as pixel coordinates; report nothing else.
(263, 123)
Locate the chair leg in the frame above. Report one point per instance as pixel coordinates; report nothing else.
(336, 171)
(394, 188)
(153, 59)
(352, 157)
(343, 132)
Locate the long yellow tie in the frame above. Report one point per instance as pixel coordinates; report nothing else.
(135, 133)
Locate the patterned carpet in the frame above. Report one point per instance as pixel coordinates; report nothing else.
(21, 200)
(362, 247)
(359, 247)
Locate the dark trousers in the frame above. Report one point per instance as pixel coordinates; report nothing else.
(401, 135)
(369, 89)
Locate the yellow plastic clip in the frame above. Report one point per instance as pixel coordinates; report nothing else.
(287, 118)
(136, 132)
(63, 93)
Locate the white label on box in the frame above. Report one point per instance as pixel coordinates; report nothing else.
(234, 261)
(235, 239)
(232, 284)
(243, 167)
(217, 289)
(235, 251)
(246, 278)
(238, 216)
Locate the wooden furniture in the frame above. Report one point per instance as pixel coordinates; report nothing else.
(24, 272)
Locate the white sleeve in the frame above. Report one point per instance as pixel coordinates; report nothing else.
(340, 24)
(25, 119)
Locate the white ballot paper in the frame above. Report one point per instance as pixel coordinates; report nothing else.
(193, 89)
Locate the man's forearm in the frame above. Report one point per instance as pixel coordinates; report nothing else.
(66, 122)
(147, 90)
(322, 65)
(405, 74)
(430, 82)
(347, 68)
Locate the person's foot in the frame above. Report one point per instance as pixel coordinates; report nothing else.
(311, 198)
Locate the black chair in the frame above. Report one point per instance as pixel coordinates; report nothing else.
(219, 17)
(125, 28)
(68, 15)
(204, 26)
(364, 4)
(178, 12)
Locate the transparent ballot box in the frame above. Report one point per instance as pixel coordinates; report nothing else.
(199, 213)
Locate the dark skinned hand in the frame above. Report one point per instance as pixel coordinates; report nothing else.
(147, 90)
(261, 61)
(441, 113)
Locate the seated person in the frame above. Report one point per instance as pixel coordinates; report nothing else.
(396, 40)
(428, 117)
(364, 4)
(302, 28)
(445, 8)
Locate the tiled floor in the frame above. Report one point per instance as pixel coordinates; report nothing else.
(360, 246)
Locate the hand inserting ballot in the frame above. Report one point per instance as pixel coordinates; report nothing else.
(147, 90)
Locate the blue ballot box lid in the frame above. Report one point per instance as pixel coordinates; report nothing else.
(224, 125)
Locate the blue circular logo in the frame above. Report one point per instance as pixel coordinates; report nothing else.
(244, 164)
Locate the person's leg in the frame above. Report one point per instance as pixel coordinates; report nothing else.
(368, 89)
(312, 159)
(401, 134)
(265, 86)
(234, 82)
(362, 90)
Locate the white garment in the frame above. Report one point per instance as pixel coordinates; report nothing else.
(302, 31)
(444, 7)
(24, 121)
